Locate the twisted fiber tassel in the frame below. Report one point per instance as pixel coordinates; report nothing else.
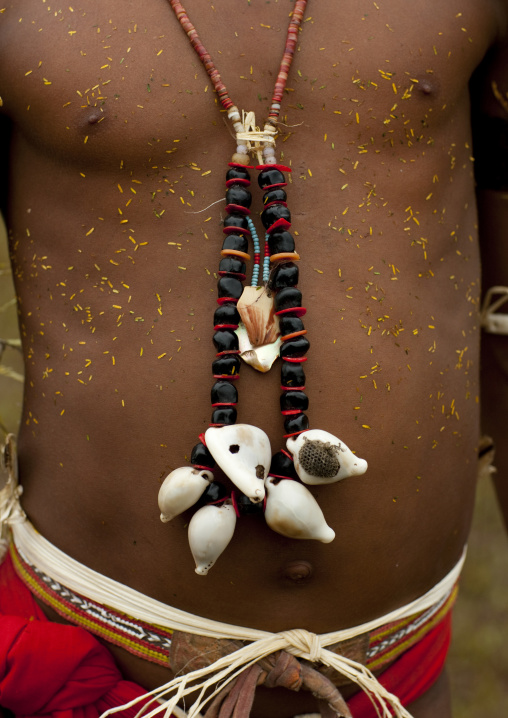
(228, 667)
(279, 669)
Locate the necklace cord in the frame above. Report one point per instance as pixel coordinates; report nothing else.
(249, 138)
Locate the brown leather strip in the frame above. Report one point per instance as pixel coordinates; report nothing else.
(280, 669)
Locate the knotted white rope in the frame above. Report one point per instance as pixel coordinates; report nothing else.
(10, 507)
(492, 321)
(255, 139)
(299, 642)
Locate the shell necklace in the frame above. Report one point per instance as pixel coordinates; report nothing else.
(257, 323)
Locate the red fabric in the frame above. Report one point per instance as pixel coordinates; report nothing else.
(413, 673)
(53, 670)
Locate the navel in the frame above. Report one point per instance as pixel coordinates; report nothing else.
(298, 571)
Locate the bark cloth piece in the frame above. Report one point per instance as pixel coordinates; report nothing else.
(280, 669)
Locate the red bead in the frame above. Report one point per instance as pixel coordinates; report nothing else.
(238, 180)
(297, 311)
(236, 230)
(284, 204)
(281, 223)
(282, 168)
(223, 300)
(238, 275)
(237, 208)
(274, 186)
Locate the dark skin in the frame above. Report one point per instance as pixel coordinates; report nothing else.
(116, 145)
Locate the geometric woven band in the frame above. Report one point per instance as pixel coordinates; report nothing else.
(153, 643)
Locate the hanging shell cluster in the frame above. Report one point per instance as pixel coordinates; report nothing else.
(244, 454)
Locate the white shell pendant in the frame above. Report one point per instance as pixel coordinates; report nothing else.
(322, 458)
(243, 453)
(256, 309)
(292, 511)
(181, 489)
(258, 333)
(210, 530)
(259, 358)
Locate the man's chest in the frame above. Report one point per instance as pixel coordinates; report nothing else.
(84, 81)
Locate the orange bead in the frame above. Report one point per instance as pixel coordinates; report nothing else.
(291, 256)
(235, 253)
(294, 334)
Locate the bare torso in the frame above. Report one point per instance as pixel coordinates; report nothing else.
(118, 144)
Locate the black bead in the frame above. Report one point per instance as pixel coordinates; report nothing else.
(270, 176)
(233, 265)
(214, 492)
(292, 374)
(237, 194)
(228, 365)
(296, 422)
(247, 507)
(294, 400)
(229, 287)
(288, 324)
(238, 221)
(282, 465)
(235, 241)
(296, 347)
(281, 242)
(237, 173)
(275, 195)
(225, 340)
(285, 275)
(226, 314)
(224, 392)
(288, 298)
(273, 213)
(224, 415)
(200, 455)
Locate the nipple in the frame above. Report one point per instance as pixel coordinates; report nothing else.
(94, 117)
(427, 85)
(90, 117)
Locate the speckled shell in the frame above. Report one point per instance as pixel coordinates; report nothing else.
(243, 452)
(210, 530)
(292, 511)
(340, 461)
(181, 489)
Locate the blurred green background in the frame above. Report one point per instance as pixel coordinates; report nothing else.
(479, 655)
